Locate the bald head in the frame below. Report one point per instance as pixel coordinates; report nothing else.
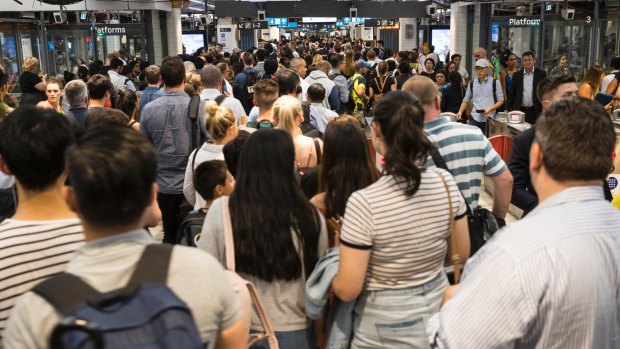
(423, 88)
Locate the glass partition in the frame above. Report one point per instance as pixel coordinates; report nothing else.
(570, 39)
(65, 46)
(9, 48)
(127, 37)
(608, 44)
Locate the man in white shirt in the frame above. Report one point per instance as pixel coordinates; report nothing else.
(119, 82)
(615, 66)
(299, 66)
(211, 79)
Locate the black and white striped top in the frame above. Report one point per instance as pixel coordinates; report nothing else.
(30, 252)
(407, 235)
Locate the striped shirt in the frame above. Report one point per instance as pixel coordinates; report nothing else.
(30, 252)
(551, 280)
(468, 154)
(407, 235)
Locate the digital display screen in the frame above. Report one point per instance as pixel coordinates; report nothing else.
(515, 117)
(193, 42)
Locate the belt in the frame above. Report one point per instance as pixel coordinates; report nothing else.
(527, 108)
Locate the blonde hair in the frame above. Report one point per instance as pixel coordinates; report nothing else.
(285, 110)
(194, 80)
(218, 120)
(317, 58)
(30, 64)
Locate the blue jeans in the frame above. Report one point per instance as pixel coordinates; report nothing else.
(397, 318)
(301, 339)
(481, 125)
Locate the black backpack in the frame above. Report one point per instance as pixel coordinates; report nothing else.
(245, 93)
(306, 127)
(191, 228)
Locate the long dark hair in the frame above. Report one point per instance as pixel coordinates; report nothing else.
(456, 82)
(347, 165)
(401, 118)
(266, 204)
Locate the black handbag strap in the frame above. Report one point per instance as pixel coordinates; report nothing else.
(66, 291)
(194, 106)
(441, 163)
(317, 146)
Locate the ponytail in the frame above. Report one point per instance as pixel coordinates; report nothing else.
(401, 118)
(218, 120)
(286, 109)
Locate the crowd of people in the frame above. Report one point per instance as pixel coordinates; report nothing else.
(264, 163)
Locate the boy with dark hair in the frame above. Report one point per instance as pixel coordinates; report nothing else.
(166, 123)
(319, 115)
(99, 91)
(265, 95)
(38, 241)
(152, 75)
(112, 203)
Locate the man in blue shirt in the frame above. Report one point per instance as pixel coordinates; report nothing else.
(166, 123)
(152, 75)
(484, 98)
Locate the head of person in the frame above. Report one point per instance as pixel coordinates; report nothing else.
(404, 68)
(287, 113)
(347, 165)
(480, 53)
(615, 63)
(265, 94)
(528, 60)
(324, 66)
(190, 67)
(53, 90)
(402, 56)
(553, 157)
(99, 87)
(103, 193)
(509, 60)
(152, 74)
(455, 79)
(232, 151)
(360, 67)
(82, 73)
(429, 64)
(76, 94)
(31, 64)
(456, 58)
(440, 76)
(173, 72)
(337, 62)
(317, 58)
(594, 76)
(109, 57)
(316, 93)
(288, 83)
(371, 55)
(105, 116)
(265, 181)
(382, 68)
(32, 146)
(300, 66)
(220, 122)
(4, 82)
(211, 77)
(128, 103)
(563, 61)
(450, 67)
(397, 134)
(425, 91)
(212, 180)
(219, 47)
(116, 64)
(481, 68)
(270, 66)
(248, 59)
(135, 67)
(95, 68)
(553, 88)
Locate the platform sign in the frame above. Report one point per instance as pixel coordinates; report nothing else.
(253, 25)
(387, 22)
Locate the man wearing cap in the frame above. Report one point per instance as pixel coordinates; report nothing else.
(358, 91)
(484, 97)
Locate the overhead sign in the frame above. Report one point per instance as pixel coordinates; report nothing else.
(388, 22)
(278, 21)
(253, 25)
(520, 21)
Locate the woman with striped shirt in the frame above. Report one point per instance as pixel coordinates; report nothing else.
(394, 238)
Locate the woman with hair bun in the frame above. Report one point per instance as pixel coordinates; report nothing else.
(288, 116)
(393, 242)
(221, 125)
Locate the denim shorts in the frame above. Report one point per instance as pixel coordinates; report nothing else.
(397, 318)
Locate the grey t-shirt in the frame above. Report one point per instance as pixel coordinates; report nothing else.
(283, 301)
(107, 264)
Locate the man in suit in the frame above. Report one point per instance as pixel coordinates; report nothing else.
(523, 95)
(524, 196)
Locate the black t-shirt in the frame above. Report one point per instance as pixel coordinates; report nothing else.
(28, 80)
(429, 75)
(400, 80)
(375, 84)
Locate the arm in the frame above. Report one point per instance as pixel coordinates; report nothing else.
(462, 239)
(612, 86)
(502, 191)
(361, 92)
(349, 281)
(334, 100)
(234, 337)
(188, 182)
(40, 86)
(519, 168)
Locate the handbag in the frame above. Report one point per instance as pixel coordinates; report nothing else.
(452, 244)
(482, 224)
(246, 291)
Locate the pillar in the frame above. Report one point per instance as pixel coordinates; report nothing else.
(408, 37)
(174, 31)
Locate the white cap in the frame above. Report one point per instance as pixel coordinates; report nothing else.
(483, 63)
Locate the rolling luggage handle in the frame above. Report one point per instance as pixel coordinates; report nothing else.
(229, 246)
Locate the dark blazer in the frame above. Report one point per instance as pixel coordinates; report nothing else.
(515, 97)
(451, 99)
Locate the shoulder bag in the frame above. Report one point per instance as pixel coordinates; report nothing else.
(245, 290)
(452, 244)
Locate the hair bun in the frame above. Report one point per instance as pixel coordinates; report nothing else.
(211, 108)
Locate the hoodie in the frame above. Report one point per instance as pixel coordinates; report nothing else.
(332, 100)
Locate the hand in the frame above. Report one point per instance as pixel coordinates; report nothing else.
(337, 238)
(459, 115)
(448, 294)
(486, 112)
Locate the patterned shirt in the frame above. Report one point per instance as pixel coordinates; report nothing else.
(468, 154)
(551, 280)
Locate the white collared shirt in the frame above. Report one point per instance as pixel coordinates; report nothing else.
(528, 89)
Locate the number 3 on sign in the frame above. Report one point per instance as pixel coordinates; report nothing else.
(589, 19)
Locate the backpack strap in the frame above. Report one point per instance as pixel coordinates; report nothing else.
(219, 99)
(317, 147)
(229, 241)
(194, 106)
(194, 159)
(494, 91)
(152, 266)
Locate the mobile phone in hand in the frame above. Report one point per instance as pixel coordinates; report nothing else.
(480, 111)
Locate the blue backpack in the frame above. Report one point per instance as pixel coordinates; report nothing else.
(145, 314)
